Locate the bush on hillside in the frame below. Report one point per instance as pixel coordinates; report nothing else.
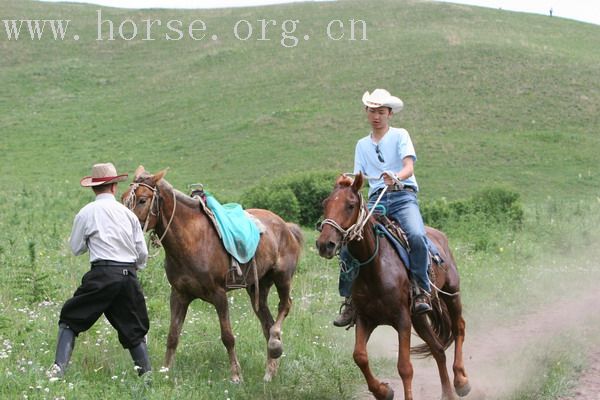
(483, 219)
(494, 205)
(281, 201)
(295, 198)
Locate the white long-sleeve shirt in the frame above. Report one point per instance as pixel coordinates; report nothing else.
(110, 231)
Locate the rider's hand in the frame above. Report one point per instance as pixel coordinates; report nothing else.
(388, 178)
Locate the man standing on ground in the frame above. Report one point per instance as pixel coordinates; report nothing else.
(113, 236)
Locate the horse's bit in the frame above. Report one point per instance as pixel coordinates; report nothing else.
(355, 231)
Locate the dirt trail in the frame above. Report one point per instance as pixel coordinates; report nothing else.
(588, 385)
(500, 358)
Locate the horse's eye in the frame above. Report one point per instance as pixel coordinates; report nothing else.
(142, 201)
(351, 206)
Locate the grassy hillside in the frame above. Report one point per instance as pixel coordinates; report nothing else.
(490, 96)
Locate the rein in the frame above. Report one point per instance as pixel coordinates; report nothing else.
(355, 231)
(154, 207)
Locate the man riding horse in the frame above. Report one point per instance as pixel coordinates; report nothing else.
(386, 156)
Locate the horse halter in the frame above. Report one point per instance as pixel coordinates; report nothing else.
(354, 231)
(132, 199)
(154, 209)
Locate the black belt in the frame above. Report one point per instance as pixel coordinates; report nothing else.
(127, 268)
(396, 188)
(110, 263)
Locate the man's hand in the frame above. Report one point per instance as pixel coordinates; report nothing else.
(389, 178)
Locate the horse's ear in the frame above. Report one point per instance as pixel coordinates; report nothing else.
(358, 182)
(159, 175)
(139, 170)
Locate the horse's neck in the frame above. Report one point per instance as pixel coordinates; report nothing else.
(178, 209)
(365, 248)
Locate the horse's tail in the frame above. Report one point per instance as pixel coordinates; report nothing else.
(296, 232)
(441, 326)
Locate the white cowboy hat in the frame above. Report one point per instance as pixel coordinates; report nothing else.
(382, 98)
(103, 174)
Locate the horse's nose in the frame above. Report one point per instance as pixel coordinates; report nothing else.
(326, 248)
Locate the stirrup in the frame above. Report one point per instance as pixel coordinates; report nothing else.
(423, 306)
(347, 316)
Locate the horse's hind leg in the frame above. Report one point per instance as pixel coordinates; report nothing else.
(461, 381)
(219, 300)
(266, 321)
(274, 340)
(179, 306)
(283, 285)
(425, 331)
(405, 368)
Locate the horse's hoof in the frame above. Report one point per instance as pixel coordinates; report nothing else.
(275, 348)
(390, 394)
(463, 390)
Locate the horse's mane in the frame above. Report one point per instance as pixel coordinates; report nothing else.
(182, 198)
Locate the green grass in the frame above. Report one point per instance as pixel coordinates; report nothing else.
(536, 264)
(491, 98)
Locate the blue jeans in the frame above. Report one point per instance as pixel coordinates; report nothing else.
(402, 206)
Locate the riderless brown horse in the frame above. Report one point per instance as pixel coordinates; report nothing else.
(381, 293)
(197, 263)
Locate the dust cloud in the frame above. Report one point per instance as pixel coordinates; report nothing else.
(502, 356)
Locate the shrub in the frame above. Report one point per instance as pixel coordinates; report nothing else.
(436, 213)
(500, 204)
(281, 201)
(492, 205)
(295, 198)
(311, 189)
(483, 219)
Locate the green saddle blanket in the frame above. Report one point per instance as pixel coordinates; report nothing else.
(239, 233)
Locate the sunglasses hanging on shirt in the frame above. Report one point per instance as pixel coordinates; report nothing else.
(379, 155)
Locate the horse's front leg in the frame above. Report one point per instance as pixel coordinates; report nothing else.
(220, 303)
(179, 307)
(381, 391)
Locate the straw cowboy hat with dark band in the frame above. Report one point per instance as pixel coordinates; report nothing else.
(382, 98)
(103, 174)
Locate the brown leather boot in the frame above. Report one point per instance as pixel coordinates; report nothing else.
(346, 315)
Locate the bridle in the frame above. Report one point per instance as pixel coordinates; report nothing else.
(154, 211)
(354, 231)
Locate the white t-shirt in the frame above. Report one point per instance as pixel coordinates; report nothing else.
(394, 146)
